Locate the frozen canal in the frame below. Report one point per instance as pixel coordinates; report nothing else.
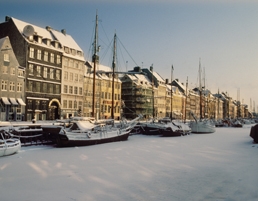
(200, 167)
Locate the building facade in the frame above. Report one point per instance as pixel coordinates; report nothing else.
(12, 106)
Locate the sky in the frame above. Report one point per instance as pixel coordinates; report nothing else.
(221, 35)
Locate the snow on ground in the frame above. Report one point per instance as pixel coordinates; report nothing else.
(200, 167)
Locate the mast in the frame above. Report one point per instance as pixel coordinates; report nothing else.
(113, 76)
(186, 96)
(171, 93)
(200, 88)
(152, 80)
(94, 60)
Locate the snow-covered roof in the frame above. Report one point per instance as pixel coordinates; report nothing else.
(101, 72)
(64, 39)
(37, 30)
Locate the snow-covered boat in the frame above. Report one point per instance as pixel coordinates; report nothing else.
(201, 126)
(8, 145)
(88, 132)
(172, 128)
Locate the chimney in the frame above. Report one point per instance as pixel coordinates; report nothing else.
(48, 28)
(7, 18)
(63, 31)
(137, 69)
(166, 81)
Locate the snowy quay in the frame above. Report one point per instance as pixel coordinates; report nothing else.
(197, 167)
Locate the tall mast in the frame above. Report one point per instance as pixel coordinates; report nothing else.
(171, 107)
(186, 96)
(152, 80)
(113, 76)
(200, 88)
(94, 60)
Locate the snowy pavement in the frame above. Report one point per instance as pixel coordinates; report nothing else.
(200, 167)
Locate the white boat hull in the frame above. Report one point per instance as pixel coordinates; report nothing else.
(202, 127)
(9, 146)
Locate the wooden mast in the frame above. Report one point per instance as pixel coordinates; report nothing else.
(113, 76)
(94, 60)
(186, 96)
(171, 93)
(200, 89)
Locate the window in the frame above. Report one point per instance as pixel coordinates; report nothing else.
(73, 51)
(58, 59)
(65, 62)
(51, 73)
(80, 90)
(11, 86)
(57, 89)
(75, 90)
(20, 73)
(4, 85)
(37, 87)
(31, 69)
(65, 89)
(80, 65)
(39, 55)
(64, 103)
(81, 78)
(71, 63)
(52, 58)
(38, 71)
(75, 104)
(76, 77)
(45, 72)
(4, 69)
(66, 49)
(31, 52)
(70, 104)
(58, 77)
(44, 87)
(6, 57)
(45, 56)
(70, 89)
(12, 71)
(39, 40)
(29, 85)
(76, 65)
(50, 88)
(71, 76)
(66, 75)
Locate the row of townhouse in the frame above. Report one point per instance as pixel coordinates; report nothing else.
(149, 94)
(45, 76)
(55, 79)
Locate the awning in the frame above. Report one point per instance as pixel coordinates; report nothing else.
(6, 101)
(13, 101)
(20, 101)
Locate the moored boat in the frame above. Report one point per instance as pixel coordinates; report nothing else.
(8, 145)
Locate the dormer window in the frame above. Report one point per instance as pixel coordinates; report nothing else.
(66, 49)
(56, 45)
(73, 51)
(48, 42)
(39, 40)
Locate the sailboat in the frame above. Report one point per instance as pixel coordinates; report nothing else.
(201, 125)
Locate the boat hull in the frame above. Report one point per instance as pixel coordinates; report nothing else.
(65, 141)
(168, 132)
(202, 128)
(9, 147)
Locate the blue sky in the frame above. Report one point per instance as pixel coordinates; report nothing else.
(223, 34)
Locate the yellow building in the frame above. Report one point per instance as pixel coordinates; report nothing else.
(103, 92)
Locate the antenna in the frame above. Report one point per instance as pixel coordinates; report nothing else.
(28, 30)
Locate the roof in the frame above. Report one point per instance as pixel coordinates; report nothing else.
(49, 33)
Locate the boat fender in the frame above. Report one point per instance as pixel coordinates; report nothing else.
(89, 135)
